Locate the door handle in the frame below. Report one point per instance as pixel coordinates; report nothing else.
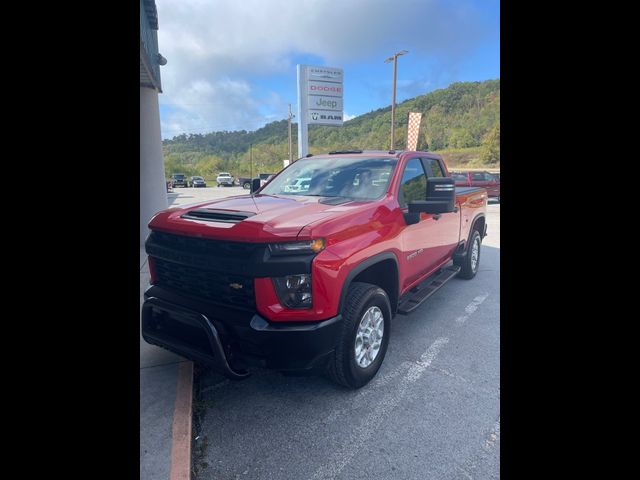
(436, 216)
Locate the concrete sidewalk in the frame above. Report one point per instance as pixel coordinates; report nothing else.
(159, 371)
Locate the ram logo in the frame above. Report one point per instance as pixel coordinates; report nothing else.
(236, 286)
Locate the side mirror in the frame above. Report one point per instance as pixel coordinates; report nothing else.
(255, 185)
(441, 197)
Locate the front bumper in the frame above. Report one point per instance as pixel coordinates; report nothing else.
(230, 340)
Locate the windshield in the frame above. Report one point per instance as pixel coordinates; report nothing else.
(356, 177)
(197, 178)
(178, 177)
(224, 175)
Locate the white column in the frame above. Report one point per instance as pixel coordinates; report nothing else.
(303, 112)
(153, 189)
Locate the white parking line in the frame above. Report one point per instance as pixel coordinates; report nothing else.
(353, 444)
(378, 381)
(472, 307)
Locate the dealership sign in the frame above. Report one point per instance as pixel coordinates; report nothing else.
(320, 94)
(324, 95)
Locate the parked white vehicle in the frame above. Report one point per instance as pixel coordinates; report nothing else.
(224, 178)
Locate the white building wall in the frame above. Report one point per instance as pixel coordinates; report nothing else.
(153, 190)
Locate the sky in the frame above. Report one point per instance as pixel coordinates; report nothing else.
(231, 64)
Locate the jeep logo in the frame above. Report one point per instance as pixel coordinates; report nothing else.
(326, 103)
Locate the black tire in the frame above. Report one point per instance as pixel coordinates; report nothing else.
(469, 270)
(246, 185)
(343, 368)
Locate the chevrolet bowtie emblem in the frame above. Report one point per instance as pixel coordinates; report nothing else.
(237, 286)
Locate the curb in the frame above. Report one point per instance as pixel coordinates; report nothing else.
(181, 433)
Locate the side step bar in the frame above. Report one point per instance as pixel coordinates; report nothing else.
(413, 299)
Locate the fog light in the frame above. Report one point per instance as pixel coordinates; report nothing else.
(294, 291)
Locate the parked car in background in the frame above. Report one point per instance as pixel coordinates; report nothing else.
(197, 182)
(478, 179)
(225, 178)
(178, 180)
(244, 182)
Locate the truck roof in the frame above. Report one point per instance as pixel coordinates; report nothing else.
(368, 153)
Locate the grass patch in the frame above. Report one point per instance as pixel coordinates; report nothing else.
(464, 158)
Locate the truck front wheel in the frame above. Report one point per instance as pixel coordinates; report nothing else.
(471, 262)
(364, 337)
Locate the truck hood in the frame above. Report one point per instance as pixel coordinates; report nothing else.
(268, 217)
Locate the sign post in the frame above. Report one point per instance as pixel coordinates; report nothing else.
(320, 100)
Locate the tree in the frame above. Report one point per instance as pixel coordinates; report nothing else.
(491, 146)
(461, 138)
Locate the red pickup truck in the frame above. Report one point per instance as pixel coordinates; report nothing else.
(309, 279)
(487, 180)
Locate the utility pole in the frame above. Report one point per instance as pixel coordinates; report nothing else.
(394, 58)
(291, 115)
(251, 161)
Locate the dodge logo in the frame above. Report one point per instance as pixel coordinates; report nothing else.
(314, 116)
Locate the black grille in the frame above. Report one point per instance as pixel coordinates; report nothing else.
(204, 246)
(216, 287)
(217, 271)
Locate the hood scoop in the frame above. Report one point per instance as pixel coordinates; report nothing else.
(224, 216)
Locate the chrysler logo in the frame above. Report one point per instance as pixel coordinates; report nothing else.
(236, 286)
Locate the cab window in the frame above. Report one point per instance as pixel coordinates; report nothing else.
(414, 183)
(433, 167)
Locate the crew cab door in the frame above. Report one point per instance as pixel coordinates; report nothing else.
(426, 244)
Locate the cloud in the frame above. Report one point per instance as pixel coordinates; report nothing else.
(217, 50)
(202, 106)
(348, 117)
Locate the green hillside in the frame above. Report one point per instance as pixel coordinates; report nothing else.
(462, 122)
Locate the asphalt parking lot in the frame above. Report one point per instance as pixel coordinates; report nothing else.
(186, 196)
(432, 412)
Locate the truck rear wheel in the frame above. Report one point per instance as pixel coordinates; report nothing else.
(246, 185)
(364, 337)
(471, 263)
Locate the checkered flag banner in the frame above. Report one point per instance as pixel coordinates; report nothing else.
(413, 129)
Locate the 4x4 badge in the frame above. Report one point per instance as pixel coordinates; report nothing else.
(237, 286)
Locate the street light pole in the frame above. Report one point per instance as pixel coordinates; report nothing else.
(393, 96)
